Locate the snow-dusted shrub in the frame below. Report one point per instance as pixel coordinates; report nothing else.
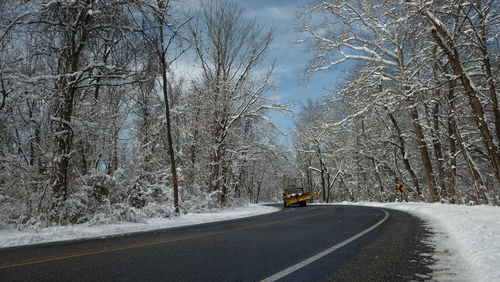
(198, 201)
(131, 195)
(21, 191)
(90, 195)
(78, 208)
(119, 212)
(98, 185)
(158, 210)
(139, 187)
(11, 211)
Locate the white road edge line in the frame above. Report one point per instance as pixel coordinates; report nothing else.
(316, 257)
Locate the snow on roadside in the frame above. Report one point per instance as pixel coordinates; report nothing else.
(13, 237)
(466, 239)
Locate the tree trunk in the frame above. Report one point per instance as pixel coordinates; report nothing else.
(63, 141)
(452, 140)
(476, 175)
(472, 93)
(438, 149)
(259, 188)
(113, 158)
(225, 183)
(377, 175)
(488, 73)
(74, 41)
(308, 174)
(402, 149)
(450, 192)
(4, 92)
(426, 160)
(374, 163)
(322, 172)
(173, 168)
(328, 196)
(493, 93)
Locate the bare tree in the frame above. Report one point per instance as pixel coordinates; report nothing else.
(448, 42)
(373, 34)
(230, 50)
(163, 34)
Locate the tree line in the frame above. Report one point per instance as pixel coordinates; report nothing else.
(98, 122)
(419, 106)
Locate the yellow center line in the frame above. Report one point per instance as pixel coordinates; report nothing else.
(133, 246)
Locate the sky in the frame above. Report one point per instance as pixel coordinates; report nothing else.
(291, 87)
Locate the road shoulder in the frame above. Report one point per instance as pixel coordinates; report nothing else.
(397, 253)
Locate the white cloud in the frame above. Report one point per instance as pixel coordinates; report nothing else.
(187, 67)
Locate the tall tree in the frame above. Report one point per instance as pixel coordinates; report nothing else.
(163, 33)
(230, 50)
(374, 32)
(449, 42)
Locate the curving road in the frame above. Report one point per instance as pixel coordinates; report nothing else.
(314, 243)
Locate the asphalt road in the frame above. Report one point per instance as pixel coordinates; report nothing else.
(318, 243)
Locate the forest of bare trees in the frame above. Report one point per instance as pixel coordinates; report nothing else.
(98, 125)
(419, 107)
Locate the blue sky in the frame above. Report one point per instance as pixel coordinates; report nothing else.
(291, 58)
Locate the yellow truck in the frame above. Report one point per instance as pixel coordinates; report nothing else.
(295, 195)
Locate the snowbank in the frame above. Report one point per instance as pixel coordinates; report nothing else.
(467, 239)
(13, 237)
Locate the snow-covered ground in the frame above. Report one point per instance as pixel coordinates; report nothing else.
(13, 237)
(467, 239)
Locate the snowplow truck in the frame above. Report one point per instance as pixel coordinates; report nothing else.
(295, 195)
